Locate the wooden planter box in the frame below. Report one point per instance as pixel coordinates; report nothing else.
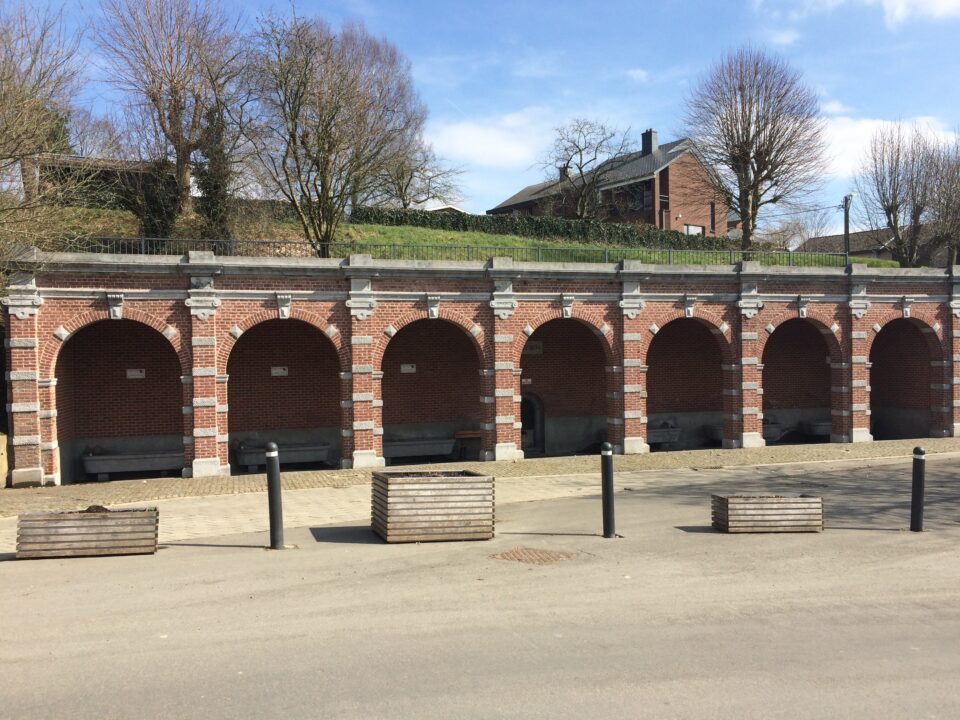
(87, 532)
(767, 513)
(424, 506)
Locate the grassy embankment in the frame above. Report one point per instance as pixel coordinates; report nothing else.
(427, 243)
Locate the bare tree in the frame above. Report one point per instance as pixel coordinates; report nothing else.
(895, 187)
(585, 155)
(946, 197)
(39, 74)
(792, 230)
(171, 57)
(757, 130)
(415, 176)
(334, 108)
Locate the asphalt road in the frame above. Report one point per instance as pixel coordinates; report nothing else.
(671, 621)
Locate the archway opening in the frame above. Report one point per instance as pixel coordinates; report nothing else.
(431, 391)
(796, 384)
(900, 378)
(284, 387)
(684, 387)
(119, 403)
(562, 364)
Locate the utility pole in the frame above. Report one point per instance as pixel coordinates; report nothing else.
(847, 199)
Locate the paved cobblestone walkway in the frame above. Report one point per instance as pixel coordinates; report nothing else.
(75, 497)
(345, 496)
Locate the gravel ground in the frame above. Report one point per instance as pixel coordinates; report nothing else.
(72, 497)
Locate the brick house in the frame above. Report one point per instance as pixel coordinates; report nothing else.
(661, 185)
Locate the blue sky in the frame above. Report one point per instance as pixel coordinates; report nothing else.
(498, 76)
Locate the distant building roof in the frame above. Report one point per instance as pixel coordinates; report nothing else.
(860, 242)
(630, 169)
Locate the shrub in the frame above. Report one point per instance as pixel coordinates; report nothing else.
(543, 227)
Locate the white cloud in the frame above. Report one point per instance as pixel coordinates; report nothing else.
(784, 36)
(849, 137)
(835, 107)
(638, 74)
(512, 141)
(895, 12)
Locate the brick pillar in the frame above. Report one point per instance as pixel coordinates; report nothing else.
(204, 392)
(941, 383)
(634, 341)
(743, 385)
(851, 410)
(502, 387)
(616, 411)
(23, 389)
(850, 386)
(952, 334)
(350, 403)
(365, 413)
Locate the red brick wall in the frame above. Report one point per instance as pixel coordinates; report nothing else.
(94, 396)
(569, 375)
(796, 373)
(900, 376)
(690, 199)
(684, 369)
(308, 397)
(446, 386)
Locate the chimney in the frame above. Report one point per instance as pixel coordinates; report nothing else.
(648, 141)
(564, 171)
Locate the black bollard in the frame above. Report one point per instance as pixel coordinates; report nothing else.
(273, 496)
(919, 479)
(606, 475)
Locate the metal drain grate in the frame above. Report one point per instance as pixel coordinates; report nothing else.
(532, 556)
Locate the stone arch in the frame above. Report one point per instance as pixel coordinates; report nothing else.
(819, 320)
(431, 389)
(477, 336)
(53, 344)
(118, 395)
(571, 372)
(909, 390)
(799, 375)
(226, 343)
(686, 403)
(923, 321)
(711, 321)
(591, 320)
(284, 386)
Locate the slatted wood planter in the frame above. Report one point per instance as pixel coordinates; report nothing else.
(767, 513)
(84, 533)
(424, 506)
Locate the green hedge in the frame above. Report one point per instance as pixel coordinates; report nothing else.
(545, 227)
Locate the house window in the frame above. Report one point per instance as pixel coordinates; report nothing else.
(713, 217)
(693, 230)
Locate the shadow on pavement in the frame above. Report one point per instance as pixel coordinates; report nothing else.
(206, 545)
(551, 534)
(871, 498)
(696, 528)
(356, 534)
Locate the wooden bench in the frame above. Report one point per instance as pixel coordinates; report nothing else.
(252, 456)
(102, 464)
(816, 428)
(663, 435)
(420, 447)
